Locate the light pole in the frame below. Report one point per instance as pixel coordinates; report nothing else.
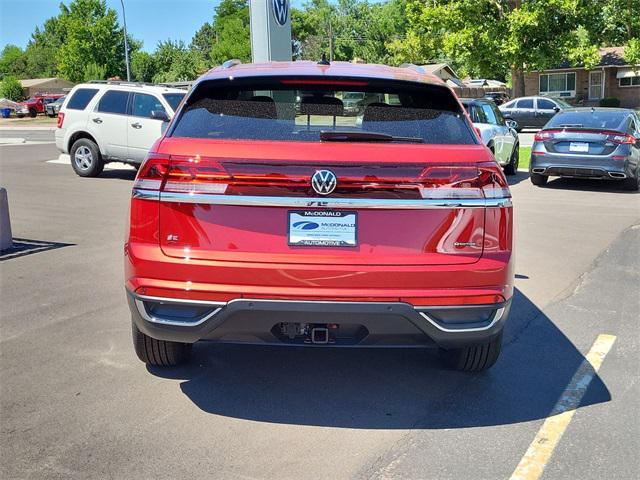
(126, 43)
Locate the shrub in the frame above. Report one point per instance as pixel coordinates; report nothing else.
(11, 88)
(609, 102)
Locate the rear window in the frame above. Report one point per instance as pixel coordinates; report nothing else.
(288, 109)
(81, 98)
(589, 119)
(174, 99)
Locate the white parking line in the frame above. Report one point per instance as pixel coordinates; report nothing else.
(539, 452)
(64, 159)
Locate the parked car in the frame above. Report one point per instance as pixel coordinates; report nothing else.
(53, 108)
(497, 133)
(103, 122)
(498, 97)
(532, 111)
(36, 104)
(253, 223)
(589, 143)
(355, 102)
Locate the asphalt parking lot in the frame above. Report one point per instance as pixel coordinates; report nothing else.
(76, 403)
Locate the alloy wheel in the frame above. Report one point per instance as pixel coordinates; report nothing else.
(83, 158)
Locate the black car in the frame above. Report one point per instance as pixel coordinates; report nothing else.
(52, 109)
(532, 111)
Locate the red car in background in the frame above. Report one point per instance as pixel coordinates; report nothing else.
(36, 104)
(266, 214)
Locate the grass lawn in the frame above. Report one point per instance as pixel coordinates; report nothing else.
(525, 155)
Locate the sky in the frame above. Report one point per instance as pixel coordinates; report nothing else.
(147, 20)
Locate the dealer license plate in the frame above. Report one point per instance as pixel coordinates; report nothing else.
(327, 228)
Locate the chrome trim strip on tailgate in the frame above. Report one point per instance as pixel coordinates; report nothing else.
(310, 202)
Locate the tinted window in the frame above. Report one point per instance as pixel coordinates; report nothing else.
(488, 111)
(173, 99)
(589, 119)
(510, 104)
(498, 115)
(544, 104)
(525, 103)
(81, 98)
(144, 104)
(114, 101)
(296, 111)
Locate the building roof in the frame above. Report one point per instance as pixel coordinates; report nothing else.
(609, 57)
(34, 82)
(314, 69)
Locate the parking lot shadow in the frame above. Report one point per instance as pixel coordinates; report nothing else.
(387, 389)
(517, 178)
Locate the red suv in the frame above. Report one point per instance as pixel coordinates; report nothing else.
(267, 214)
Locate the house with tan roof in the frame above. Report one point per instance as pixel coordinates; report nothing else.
(612, 77)
(31, 86)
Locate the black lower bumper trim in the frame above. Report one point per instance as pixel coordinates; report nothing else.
(376, 323)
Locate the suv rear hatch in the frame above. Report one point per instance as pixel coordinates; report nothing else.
(235, 177)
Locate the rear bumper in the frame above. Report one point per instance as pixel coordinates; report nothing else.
(349, 324)
(556, 165)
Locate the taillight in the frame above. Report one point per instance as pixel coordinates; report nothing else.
(192, 175)
(484, 180)
(621, 138)
(60, 120)
(152, 172)
(545, 135)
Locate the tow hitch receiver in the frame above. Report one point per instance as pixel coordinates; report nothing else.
(320, 335)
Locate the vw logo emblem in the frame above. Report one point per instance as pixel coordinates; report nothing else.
(280, 11)
(324, 182)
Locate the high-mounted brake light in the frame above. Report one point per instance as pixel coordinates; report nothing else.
(60, 120)
(310, 81)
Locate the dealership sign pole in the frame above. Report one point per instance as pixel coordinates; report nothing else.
(270, 30)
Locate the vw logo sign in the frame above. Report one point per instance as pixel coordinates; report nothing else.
(280, 11)
(324, 182)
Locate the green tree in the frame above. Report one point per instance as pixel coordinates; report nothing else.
(632, 53)
(230, 32)
(11, 88)
(489, 38)
(93, 35)
(143, 66)
(203, 40)
(12, 61)
(175, 62)
(93, 71)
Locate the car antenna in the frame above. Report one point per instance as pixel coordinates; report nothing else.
(324, 60)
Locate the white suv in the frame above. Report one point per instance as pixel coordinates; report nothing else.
(103, 122)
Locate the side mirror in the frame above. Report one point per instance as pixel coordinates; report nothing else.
(556, 109)
(159, 115)
(511, 124)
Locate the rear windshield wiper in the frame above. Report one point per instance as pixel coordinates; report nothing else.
(358, 136)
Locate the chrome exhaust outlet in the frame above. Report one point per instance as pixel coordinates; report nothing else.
(617, 175)
(538, 170)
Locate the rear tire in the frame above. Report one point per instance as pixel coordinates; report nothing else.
(512, 167)
(159, 352)
(631, 184)
(538, 179)
(475, 358)
(33, 113)
(86, 159)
